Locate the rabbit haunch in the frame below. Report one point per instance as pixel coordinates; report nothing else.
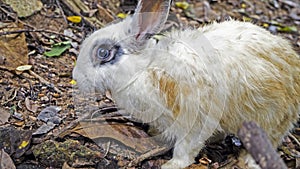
(193, 83)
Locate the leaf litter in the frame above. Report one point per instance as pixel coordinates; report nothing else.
(26, 96)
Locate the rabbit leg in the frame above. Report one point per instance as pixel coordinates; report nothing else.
(247, 160)
(184, 154)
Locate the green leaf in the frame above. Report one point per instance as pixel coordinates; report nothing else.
(287, 29)
(58, 49)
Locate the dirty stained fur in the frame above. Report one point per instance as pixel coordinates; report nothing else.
(193, 83)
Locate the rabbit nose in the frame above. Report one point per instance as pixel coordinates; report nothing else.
(74, 74)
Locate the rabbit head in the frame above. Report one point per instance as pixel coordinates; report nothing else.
(108, 56)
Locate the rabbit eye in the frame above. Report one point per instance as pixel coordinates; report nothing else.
(103, 53)
(106, 52)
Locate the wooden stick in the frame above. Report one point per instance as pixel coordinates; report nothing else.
(259, 146)
(42, 80)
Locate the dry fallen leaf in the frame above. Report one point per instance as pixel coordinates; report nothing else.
(74, 19)
(13, 47)
(73, 82)
(205, 161)
(66, 166)
(25, 8)
(297, 163)
(30, 105)
(50, 113)
(15, 142)
(128, 135)
(45, 128)
(182, 5)
(23, 68)
(5, 161)
(122, 15)
(197, 166)
(4, 116)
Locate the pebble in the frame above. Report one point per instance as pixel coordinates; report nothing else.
(44, 99)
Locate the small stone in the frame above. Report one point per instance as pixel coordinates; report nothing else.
(45, 99)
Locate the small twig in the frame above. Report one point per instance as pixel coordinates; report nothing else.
(107, 150)
(11, 99)
(101, 119)
(105, 110)
(294, 138)
(62, 11)
(13, 15)
(151, 153)
(7, 69)
(41, 79)
(37, 30)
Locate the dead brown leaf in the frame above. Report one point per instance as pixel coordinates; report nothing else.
(14, 141)
(25, 8)
(297, 163)
(197, 166)
(4, 116)
(30, 105)
(13, 47)
(66, 166)
(128, 135)
(5, 161)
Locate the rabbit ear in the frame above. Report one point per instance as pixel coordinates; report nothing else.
(150, 16)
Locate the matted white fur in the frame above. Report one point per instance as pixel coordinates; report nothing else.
(195, 82)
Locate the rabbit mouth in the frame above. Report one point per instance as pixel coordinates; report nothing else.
(85, 87)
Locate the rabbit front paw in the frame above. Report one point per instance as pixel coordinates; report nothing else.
(176, 164)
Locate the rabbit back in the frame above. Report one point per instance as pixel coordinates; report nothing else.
(227, 72)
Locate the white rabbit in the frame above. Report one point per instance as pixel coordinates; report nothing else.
(192, 83)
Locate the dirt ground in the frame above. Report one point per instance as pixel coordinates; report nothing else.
(39, 126)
